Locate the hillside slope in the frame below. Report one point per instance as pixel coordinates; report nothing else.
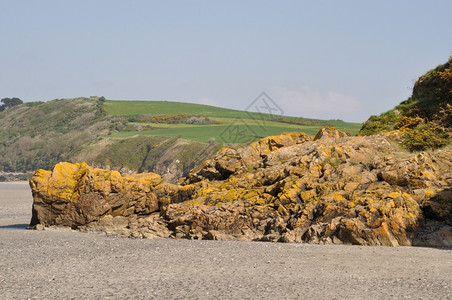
(40, 134)
(168, 138)
(426, 117)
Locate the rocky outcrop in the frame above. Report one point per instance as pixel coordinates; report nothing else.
(425, 117)
(82, 197)
(229, 161)
(331, 189)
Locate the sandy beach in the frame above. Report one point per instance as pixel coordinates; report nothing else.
(65, 264)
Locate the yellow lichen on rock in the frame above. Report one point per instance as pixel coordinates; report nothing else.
(141, 182)
(39, 183)
(64, 181)
(271, 143)
(337, 189)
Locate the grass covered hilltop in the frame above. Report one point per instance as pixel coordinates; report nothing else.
(168, 138)
(426, 117)
(205, 123)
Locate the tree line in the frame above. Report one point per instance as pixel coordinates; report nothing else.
(9, 102)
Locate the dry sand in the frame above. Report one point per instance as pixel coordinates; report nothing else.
(66, 264)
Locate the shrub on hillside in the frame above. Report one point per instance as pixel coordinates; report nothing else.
(408, 122)
(382, 123)
(425, 136)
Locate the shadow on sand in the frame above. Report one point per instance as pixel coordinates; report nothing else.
(15, 226)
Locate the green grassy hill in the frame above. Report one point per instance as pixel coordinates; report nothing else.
(165, 137)
(154, 118)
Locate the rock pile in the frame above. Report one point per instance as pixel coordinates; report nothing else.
(331, 189)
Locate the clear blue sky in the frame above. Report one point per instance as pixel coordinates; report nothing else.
(320, 59)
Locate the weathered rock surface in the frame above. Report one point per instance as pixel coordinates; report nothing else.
(331, 188)
(82, 197)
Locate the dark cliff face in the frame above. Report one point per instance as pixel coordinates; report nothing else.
(429, 107)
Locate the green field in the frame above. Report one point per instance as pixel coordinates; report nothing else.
(231, 126)
(133, 108)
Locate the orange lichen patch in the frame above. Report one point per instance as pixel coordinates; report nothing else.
(393, 195)
(338, 150)
(271, 143)
(105, 181)
(39, 183)
(262, 200)
(290, 196)
(386, 207)
(308, 195)
(329, 132)
(351, 186)
(142, 182)
(384, 235)
(65, 179)
(324, 151)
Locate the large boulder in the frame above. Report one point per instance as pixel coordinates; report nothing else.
(82, 197)
(330, 189)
